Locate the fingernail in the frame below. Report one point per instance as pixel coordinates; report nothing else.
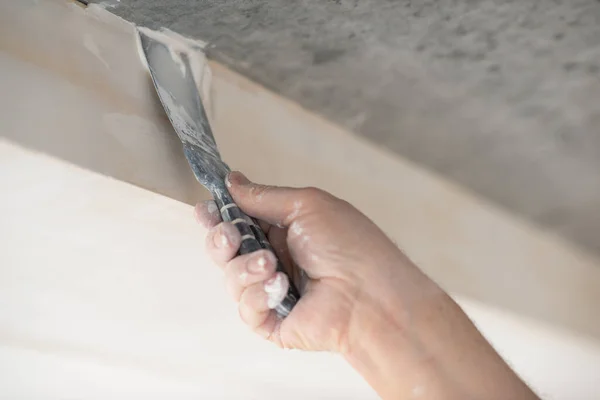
(258, 264)
(276, 289)
(236, 178)
(207, 213)
(211, 207)
(220, 238)
(198, 214)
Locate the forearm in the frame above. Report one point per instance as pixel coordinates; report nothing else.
(435, 353)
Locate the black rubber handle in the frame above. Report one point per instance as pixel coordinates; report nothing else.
(253, 239)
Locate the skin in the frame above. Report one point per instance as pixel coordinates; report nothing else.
(363, 297)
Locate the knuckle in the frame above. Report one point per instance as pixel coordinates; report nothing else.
(259, 191)
(233, 289)
(270, 260)
(242, 313)
(313, 192)
(313, 196)
(228, 229)
(233, 266)
(247, 313)
(209, 239)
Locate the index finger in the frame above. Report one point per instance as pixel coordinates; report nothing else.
(276, 205)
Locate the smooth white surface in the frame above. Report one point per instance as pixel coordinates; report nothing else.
(105, 292)
(104, 282)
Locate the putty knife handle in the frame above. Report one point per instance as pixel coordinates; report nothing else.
(254, 239)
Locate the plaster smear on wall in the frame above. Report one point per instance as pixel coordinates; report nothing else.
(89, 44)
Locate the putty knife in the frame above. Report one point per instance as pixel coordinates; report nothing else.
(177, 89)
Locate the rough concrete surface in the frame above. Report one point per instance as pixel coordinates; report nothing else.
(502, 97)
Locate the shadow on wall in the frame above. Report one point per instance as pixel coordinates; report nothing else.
(73, 90)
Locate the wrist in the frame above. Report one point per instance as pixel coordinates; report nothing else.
(392, 309)
(430, 350)
(388, 343)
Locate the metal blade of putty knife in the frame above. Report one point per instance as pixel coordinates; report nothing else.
(173, 78)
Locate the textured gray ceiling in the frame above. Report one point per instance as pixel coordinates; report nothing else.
(502, 97)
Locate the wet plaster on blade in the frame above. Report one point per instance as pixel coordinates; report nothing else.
(194, 49)
(180, 74)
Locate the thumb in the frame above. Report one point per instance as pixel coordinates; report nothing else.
(275, 205)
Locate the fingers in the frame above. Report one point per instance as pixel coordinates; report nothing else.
(253, 281)
(246, 270)
(207, 213)
(275, 205)
(259, 299)
(223, 242)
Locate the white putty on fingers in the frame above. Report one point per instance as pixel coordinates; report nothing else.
(211, 207)
(276, 289)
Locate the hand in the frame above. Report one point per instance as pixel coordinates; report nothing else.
(355, 273)
(363, 298)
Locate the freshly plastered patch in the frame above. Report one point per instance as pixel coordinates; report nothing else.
(193, 49)
(92, 46)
